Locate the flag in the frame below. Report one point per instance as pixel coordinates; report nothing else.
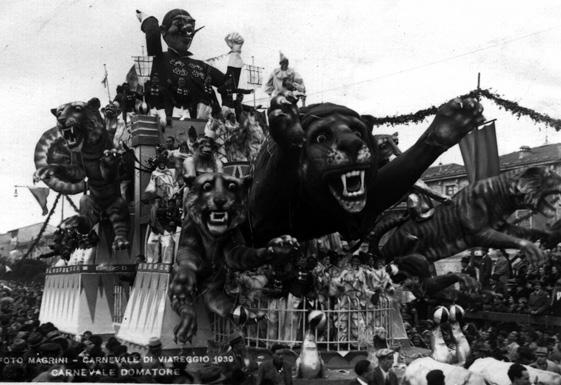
(480, 153)
(40, 194)
(104, 81)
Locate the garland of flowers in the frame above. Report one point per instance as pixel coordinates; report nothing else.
(519, 111)
(505, 104)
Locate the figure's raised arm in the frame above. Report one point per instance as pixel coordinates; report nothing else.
(149, 25)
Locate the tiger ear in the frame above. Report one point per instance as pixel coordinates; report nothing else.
(246, 182)
(94, 104)
(54, 111)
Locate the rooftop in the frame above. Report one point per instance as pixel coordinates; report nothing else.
(526, 156)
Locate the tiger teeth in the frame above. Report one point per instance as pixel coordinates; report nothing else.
(351, 174)
(219, 216)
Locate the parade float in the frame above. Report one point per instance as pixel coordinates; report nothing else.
(218, 246)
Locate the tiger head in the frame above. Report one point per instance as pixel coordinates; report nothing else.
(538, 189)
(79, 123)
(217, 203)
(338, 163)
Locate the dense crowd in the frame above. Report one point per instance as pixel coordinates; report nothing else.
(509, 284)
(31, 351)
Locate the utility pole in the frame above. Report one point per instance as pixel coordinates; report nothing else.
(253, 64)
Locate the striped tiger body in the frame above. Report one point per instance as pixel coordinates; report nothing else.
(77, 150)
(476, 216)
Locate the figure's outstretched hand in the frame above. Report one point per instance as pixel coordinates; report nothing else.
(453, 120)
(284, 124)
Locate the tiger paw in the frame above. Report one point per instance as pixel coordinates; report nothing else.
(469, 283)
(120, 242)
(284, 124)
(453, 120)
(282, 246)
(109, 157)
(532, 252)
(44, 173)
(187, 326)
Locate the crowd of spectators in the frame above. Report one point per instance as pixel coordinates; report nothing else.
(510, 285)
(31, 351)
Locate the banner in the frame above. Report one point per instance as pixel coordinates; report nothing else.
(480, 153)
(40, 194)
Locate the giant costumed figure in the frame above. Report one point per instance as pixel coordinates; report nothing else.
(211, 243)
(78, 156)
(178, 30)
(477, 217)
(318, 174)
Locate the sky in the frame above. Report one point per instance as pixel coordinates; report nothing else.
(380, 57)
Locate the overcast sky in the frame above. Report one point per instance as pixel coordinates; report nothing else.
(378, 57)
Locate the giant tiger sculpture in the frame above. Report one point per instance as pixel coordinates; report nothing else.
(317, 172)
(79, 148)
(477, 217)
(211, 243)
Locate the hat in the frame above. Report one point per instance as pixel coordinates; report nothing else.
(383, 353)
(282, 57)
(49, 348)
(18, 346)
(168, 18)
(34, 340)
(46, 328)
(52, 335)
(211, 375)
(236, 340)
(541, 351)
(276, 347)
(154, 342)
(22, 335)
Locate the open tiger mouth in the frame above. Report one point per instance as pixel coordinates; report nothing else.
(73, 140)
(218, 222)
(547, 204)
(349, 190)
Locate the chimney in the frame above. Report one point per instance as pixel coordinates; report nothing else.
(524, 151)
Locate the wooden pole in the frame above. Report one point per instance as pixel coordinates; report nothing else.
(475, 133)
(107, 84)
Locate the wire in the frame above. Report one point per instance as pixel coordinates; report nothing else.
(439, 61)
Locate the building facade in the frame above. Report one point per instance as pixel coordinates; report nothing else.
(15, 243)
(448, 179)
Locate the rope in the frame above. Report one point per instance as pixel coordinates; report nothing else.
(36, 241)
(72, 203)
